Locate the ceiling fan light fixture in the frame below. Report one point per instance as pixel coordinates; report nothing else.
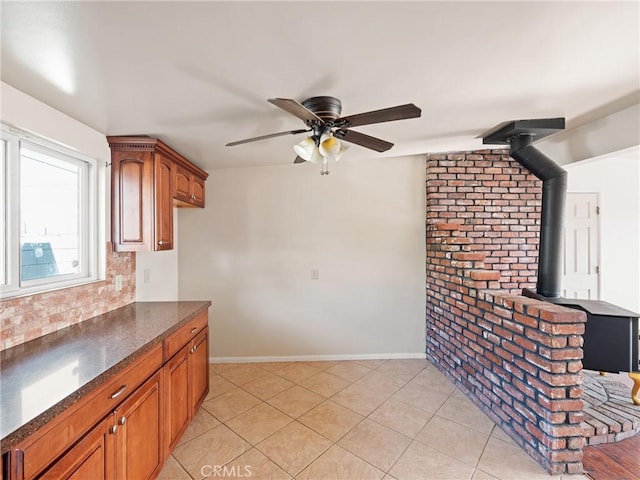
(307, 150)
(343, 148)
(329, 145)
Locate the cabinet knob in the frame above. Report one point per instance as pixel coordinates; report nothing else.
(113, 429)
(160, 242)
(122, 420)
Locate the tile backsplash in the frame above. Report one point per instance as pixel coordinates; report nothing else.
(26, 318)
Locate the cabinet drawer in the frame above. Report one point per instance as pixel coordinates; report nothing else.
(180, 338)
(46, 444)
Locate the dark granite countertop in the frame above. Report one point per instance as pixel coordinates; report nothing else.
(43, 377)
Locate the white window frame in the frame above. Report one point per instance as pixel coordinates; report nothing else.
(10, 283)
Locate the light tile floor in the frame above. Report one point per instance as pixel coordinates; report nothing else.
(346, 420)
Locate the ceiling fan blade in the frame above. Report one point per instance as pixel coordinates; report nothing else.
(295, 108)
(299, 159)
(264, 137)
(390, 114)
(363, 140)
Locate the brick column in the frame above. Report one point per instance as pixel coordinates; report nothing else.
(517, 358)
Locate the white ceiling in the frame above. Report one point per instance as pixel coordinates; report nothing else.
(197, 75)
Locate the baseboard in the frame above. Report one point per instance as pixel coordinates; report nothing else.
(318, 358)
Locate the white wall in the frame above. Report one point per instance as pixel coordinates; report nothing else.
(252, 249)
(161, 282)
(616, 178)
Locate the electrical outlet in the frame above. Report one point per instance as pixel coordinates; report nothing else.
(118, 282)
(315, 274)
(147, 275)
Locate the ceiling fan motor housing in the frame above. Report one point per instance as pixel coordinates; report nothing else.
(327, 108)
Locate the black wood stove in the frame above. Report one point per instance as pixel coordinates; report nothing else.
(611, 333)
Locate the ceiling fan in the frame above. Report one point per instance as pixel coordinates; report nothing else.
(321, 115)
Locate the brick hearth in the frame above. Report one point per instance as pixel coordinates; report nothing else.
(609, 413)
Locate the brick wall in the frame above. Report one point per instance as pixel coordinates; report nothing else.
(26, 318)
(517, 358)
(497, 202)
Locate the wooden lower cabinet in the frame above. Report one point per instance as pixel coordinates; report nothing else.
(139, 453)
(177, 408)
(91, 458)
(186, 377)
(199, 369)
(126, 445)
(126, 428)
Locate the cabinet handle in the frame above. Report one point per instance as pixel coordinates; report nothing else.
(113, 429)
(122, 420)
(194, 329)
(119, 392)
(160, 242)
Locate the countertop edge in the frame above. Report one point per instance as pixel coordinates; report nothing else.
(21, 433)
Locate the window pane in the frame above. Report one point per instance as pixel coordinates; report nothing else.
(49, 216)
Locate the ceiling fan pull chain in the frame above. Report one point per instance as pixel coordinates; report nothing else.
(325, 166)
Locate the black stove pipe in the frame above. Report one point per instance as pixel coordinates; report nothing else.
(554, 191)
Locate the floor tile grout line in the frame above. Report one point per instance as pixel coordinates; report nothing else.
(292, 421)
(336, 443)
(405, 381)
(389, 394)
(386, 472)
(484, 448)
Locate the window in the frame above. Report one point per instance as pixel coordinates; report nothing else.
(49, 215)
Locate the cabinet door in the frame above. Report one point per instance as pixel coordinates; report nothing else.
(182, 184)
(163, 203)
(91, 458)
(199, 369)
(139, 452)
(177, 407)
(131, 193)
(197, 190)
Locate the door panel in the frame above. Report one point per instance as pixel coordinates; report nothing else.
(177, 408)
(581, 247)
(200, 368)
(139, 442)
(163, 203)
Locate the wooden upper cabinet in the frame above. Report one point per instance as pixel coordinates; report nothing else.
(188, 187)
(131, 197)
(148, 179)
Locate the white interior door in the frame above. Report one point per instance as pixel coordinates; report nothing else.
(581, 270)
